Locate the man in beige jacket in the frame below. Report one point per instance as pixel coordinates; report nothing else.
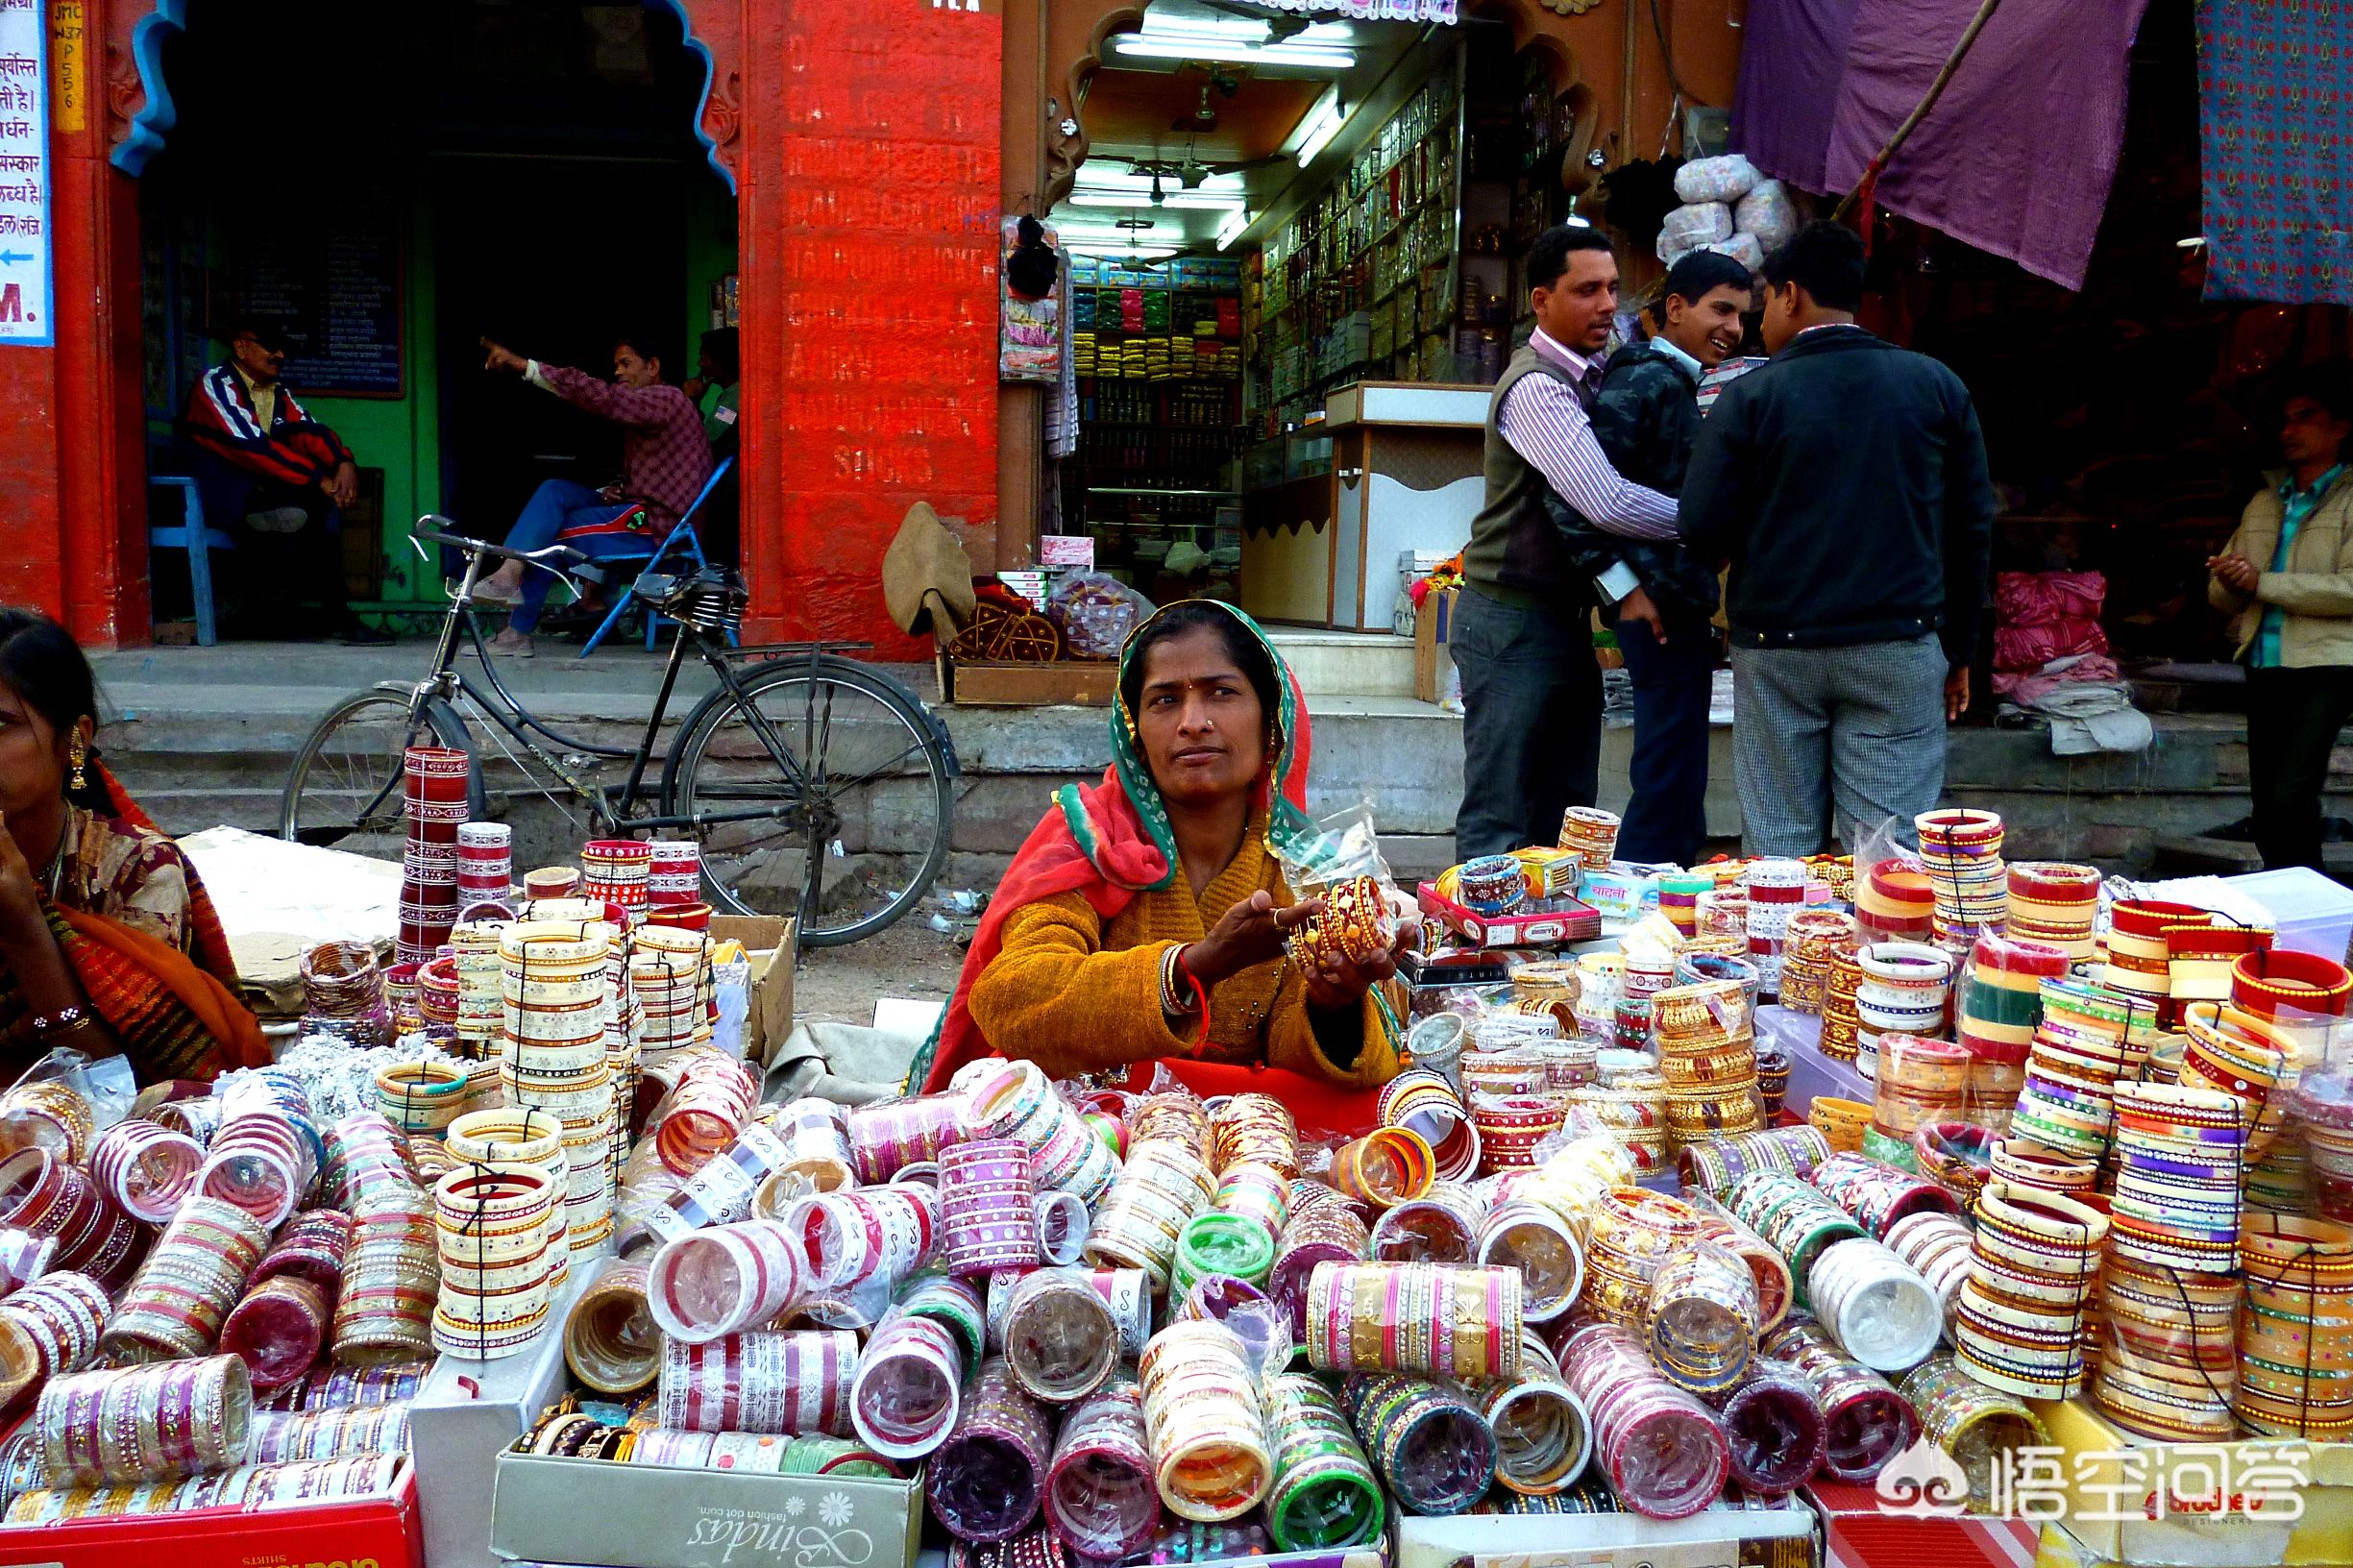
(2288, 576)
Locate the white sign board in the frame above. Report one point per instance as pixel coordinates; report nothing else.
(1372, 11)
(24, 175)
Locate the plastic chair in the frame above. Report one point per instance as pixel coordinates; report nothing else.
(190, 534)
(683, 537)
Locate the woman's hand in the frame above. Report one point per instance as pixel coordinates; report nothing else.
(1250, 933)
(1338, 983)
(20, 905)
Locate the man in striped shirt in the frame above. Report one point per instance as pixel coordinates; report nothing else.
(1522, 637)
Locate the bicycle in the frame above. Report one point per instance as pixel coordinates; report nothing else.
(844, 831)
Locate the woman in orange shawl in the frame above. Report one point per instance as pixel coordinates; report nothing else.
(1145, 918)
(108, 943)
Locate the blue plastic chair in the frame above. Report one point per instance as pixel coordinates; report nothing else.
(190, 534)
(682, 538)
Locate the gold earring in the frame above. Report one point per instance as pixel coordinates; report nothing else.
(81, 756)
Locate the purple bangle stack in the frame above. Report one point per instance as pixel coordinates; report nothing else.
(988, 1207)
(146, 1423)
(885, 1138)
(1100, 1496)
(1777, 1432)
(986, 1480)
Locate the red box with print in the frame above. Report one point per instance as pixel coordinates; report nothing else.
(357, 1533)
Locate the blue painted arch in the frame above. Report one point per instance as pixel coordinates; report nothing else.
(157, 115)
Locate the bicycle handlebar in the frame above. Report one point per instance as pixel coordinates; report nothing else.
(564, 555)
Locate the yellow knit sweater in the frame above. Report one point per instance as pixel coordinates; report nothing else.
(1075, 992)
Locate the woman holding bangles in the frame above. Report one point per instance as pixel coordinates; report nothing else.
(108, 943)
(1148, 917)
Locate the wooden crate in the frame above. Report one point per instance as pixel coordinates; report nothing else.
(1087, 683)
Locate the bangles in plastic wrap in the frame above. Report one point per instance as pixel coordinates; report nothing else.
(1937, 1247)
(286, 1436)
(183, 1293)
(494, 1223)
(1540, 1245)
(1324, 1231)
(1875, 1306)
(267, 1157)
(1774, 1431)
(158, 1422)
(250, 1487)
(2055, 903)
(47, 1113)
(1633, 1231)
(1877, 1195)
(47, 1329)
(611, 1341)
(1979, 1427)
(793, 1381)
(1543, 1431)
(1099, 1493)
(1702, 1315)
(1124, 1290)
(1203, 1422)
(1441, 1226)
(1387, 1166)
(2297, 1336)
(1715, 1165)
(278, 1328)
(1664, 1452)
(2034, 1261)
(1795, 1219)
(391, 1279)
(1444, 1322)
(1324, 1494)
(44, 1197)
(1060, 1339)
(1140, 1220)
(146, 1168)
(1866, 1422)
(1768, 1270)
(988, 1207)
(905, 1396)
(956, 1306)
(1432, 1448)
(1013, 1100)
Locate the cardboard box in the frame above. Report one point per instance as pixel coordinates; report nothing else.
(1540, 922)
(2200, 1505)
(1781, 1537)
(773, 943)
(656, 1516)
(465, 1413)
(354, 1533)
(1087, 683)
(1073, 550)
(1859, 1531)
(1434, 627)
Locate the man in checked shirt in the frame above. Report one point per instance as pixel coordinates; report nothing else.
(1522, 639)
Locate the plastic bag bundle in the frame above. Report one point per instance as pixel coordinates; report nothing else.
(1726, 179)
(1688, 228)
(1767, 213)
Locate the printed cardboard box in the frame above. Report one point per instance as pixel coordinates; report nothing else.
(1859, 1532)
(1540, 922)
(656, 1516)
(346, 1532)
(1721, 1537)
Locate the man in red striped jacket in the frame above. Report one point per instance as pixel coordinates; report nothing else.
(273, 477)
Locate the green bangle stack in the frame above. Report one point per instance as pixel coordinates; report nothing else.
(1324, 1494)
(1221, 1243)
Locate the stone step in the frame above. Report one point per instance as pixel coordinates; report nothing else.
(1348, 663)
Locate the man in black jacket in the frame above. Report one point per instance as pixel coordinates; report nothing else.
(1846, 481)
(1661, 598)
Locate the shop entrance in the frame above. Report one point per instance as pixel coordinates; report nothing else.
(387, 186)
(1295, 243)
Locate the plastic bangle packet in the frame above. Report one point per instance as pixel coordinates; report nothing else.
(2168, 1351)
(1175, 1115)
(611, 1341)
(183, 1292)
(1664, 1452)
(1875, 1305)
(1503, 1065)
(1013, 1100)
(1510, 1126)
(1213, 1299)
(286, 1436)
(1221, 1244)
(1793, 1218)
(1060, 1339)
(1702, 1317)
(343, 993)
(2234, 1053)
(988, 1207)
(2035, 1259)
(1324, 1494)
(885, 1137)
(955, 1304)
(248, 1487)
(1432, 1447)
(1714, 1167)
(1877, 1195)
(1139, 1220)
(1385, 1168)
(48, 1113)
(905, 1396)
(1937, 1247)
(279, 1328)
(391, 1280)
(357, 1388)
(493, 1224)
(47, 1329)
(1957, 1156)
(160, 1422)
(884, 1232)
(1977, 1425)
(1441, 1226)
(1543, 1433)
(1454, 1323)
(2297, 1328)
(267, 1157)
(1916, 1081)
(1866, 1422)
(816, 1135)
(985, 1481)
(775, 1383)
(24, 1257)
(2176, 1201)
(1774, 1431)
(1318, 1231)
(1768, 1270)
(1540, 1245)
(725, 1279)
(365, 1155)
(1100, 1497)
(1203, 1423)
(704, 1113)
(1259, 1194)
(1633, 1231)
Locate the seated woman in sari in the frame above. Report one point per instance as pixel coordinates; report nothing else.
(1146, 916)
(108, 943)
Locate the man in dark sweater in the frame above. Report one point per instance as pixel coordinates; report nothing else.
(1661, 597)
(1531, 694)
(1846, 482)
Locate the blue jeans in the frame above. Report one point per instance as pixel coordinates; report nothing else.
(309, 559)
(1666, 808)
(555, 505)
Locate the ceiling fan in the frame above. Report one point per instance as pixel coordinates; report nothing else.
(1189, 172)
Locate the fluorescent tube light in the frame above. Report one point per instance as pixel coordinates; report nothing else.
(1198, 200)
(1322, 124)
(1233, 229)
(1160, 47)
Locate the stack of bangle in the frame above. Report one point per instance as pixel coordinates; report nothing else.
(2295, 1337)
(1432, 1446)
(1633, 1232)
(1492, 886)
(1452, 1323)
(1704, 1317)
(725, 1279)
(366, 1156)
(2200, 959)
(1893, 901)
(2252, 1060)
(2168, 1352)
(1384, 1167)
(1716, 1166)
(2035, 1259)
(1816, 936)
(1060, 1337)
(1979, 1427)
(1124, 1290)
(1099, 1493)
(1219, 1244)
(1996, 1009)
(2303, 996)
(1775, 1432)
(2139, 960)
(773, 1383)
(1842, 1026)
(47, 1329)
(267, 1157)
(1665, 1453)
(183, 1292)
(1424, 1103)
(160, 1422)
(2068, 1102)
(1645, 975)
(1768, 1270)
(885, 1231)
(956, 1306)
(1724, 911)
(611, 1341)
(1879, 1195)
(1319, 1231)
(1203, 1423)
(1916, 1081)
(1140, 1220)
(1961, 850)
(1678, 899)
(885, 1137)
(1842, 1123)
(2177, 1202)
(986, 1480)
(2054, 902)
(1905, 988)
(1510, 1126)
(343, 993)
(1776, 891)
(284, 1436)
(145, 1169)
(1875, 1305)
(1937, 1247)
(384, 1310)
(1957, 1156)
(1541, 1246)
(2025, 1164)
(1013, 1100)
(278, 1328)
(1258, 1130)
(47, 1113)
(1543, 1433)
(988, 1207)
(904, 1396)
(1866, 1422)
(1794, 1218)
(1258, 1193)
(1591, 834)
(494, 1222)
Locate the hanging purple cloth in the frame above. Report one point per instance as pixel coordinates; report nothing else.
(2020, 152)
(2275, 140)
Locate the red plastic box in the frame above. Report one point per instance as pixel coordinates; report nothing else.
(1540, 922)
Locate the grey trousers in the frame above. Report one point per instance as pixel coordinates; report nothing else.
(1860, 727)
(1532, 721)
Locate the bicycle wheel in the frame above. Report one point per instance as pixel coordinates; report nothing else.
(343, 790)
(832, 792)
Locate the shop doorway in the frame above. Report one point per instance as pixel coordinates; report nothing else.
(388, 185)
